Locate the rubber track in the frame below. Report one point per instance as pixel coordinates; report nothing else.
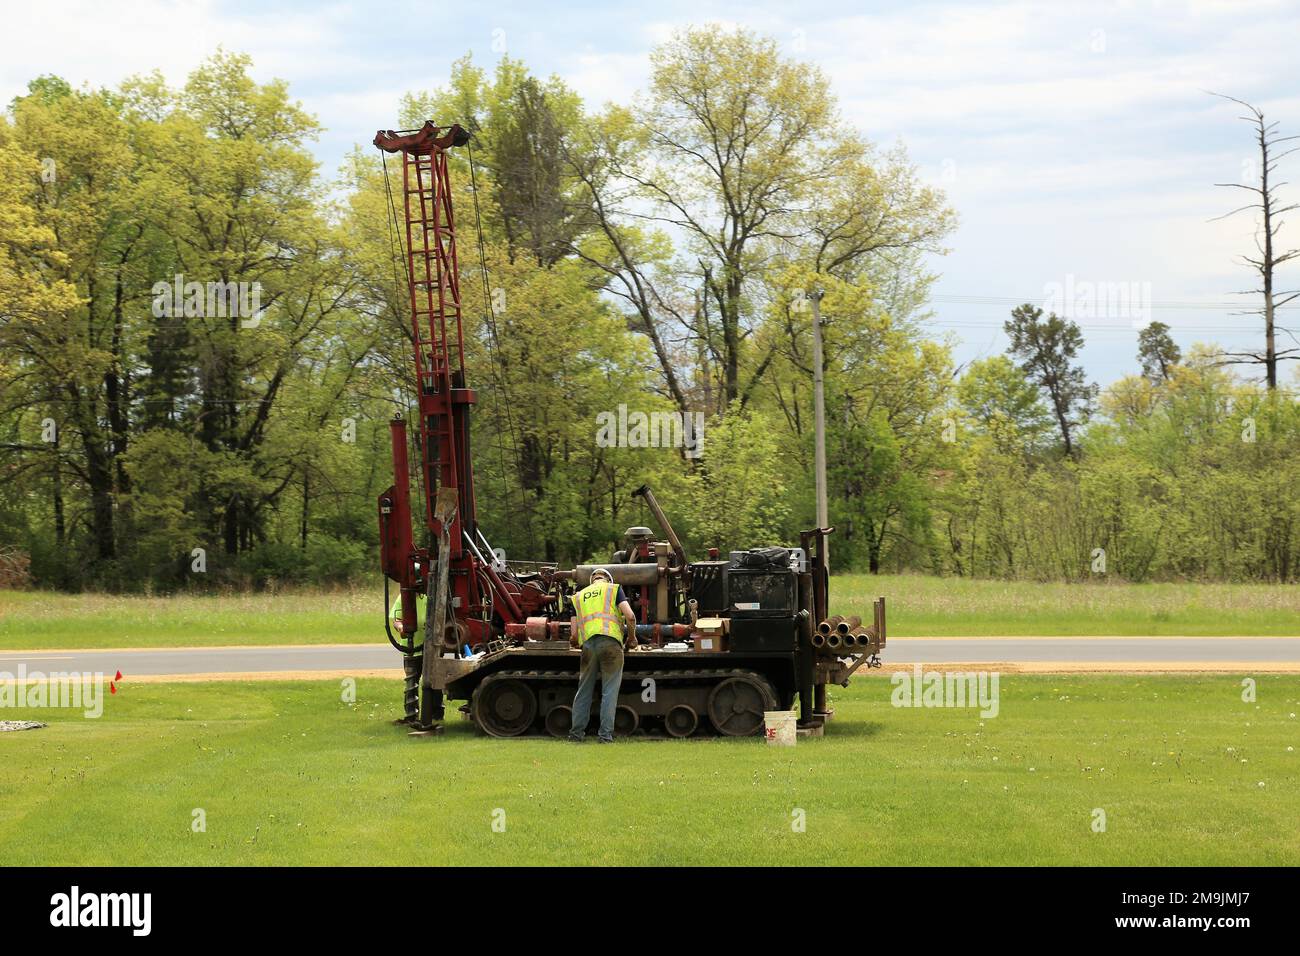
(714, 677)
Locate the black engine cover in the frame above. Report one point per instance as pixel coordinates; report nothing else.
(763, 634)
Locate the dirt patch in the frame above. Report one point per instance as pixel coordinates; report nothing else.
(1003, 667)
(1094, 637)
(1100, 667)
(262, 676)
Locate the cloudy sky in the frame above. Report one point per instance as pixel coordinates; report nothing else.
(1076, 141)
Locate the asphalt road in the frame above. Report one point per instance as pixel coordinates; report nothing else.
(1111, 653)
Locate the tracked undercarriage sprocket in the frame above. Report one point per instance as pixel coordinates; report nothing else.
(736, 705)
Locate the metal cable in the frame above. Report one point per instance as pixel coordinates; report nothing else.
(494, 355)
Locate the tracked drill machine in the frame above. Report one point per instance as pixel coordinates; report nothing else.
(722, 640)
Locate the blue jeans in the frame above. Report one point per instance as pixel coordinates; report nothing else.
(601, 656)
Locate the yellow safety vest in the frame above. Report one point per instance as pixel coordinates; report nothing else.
(596, 613)
(395, 612)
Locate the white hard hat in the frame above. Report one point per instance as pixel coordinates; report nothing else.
(605, 571)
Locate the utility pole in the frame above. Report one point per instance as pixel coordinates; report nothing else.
(819, 417)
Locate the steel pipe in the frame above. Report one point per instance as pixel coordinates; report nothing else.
(645, 493)
(640, 575)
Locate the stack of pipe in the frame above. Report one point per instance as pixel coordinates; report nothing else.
(826, 627)
(845, 635)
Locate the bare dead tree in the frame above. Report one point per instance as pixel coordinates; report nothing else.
(1271, 211)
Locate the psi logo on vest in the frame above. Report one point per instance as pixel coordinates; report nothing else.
(595, 611)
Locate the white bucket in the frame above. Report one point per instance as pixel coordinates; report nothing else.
(778, 727)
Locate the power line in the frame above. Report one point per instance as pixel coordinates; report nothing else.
(962, 299)
(496, 364)
(1117, 325)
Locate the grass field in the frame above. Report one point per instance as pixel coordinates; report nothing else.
(960, 607)
(917, 606)
(287, 773)
(41, 619)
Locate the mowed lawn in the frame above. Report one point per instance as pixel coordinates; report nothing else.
(36, 619)
(1183, 769)
(961, 607)
(917, 605)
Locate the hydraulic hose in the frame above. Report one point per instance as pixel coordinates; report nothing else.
(388, 629)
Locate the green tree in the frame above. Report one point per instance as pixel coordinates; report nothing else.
(1157, 352)
(1002, 402)
(83, 144)
(1047, 349)
(736, 499)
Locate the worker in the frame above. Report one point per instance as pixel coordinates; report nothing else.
(412, 665)
(599, 632)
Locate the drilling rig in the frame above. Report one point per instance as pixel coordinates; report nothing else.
(723, 640)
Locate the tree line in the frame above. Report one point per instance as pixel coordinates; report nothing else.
(158, 430)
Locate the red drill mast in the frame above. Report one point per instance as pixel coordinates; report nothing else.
(479, 592)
